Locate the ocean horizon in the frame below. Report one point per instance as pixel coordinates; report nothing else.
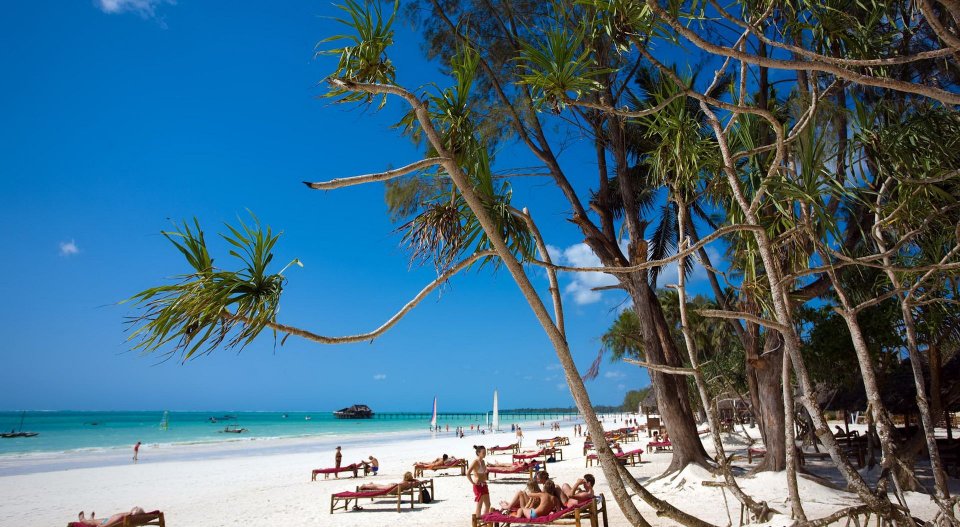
(67, 431)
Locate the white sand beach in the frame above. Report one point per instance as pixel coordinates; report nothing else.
(256, 486)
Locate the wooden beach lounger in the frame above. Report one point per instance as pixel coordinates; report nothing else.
(592, 511)
(660, 446)
(516, 468)
(513, 449)
(341, 500)
(453, 462)
(545, 453)
(631, 458)
(134, 520)
(353, 467)
(557, 441)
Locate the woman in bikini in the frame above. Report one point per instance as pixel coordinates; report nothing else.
(407, 483)
(477, 474)
(547, 503)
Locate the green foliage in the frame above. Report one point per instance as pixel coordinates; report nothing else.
(633, 398)
(558, 67)
(364, 59)
(210, 307)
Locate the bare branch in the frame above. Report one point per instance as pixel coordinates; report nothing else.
(659, 367)
(943, 96)
(372, 178)
(283, 328)
(740, 315)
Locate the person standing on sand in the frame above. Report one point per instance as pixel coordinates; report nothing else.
(477, 475)
(337, 460)
(519, 436)
(136, 452)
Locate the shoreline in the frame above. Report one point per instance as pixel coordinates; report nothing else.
(243, 482)
(25, 463)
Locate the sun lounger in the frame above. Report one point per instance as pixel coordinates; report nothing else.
(341, 500)
(556, 441)
(760, 452)
(516, 468)
(631, 458)
(353, 467)
(593, 511)
(453, 463)
(660, 446)
(513, 449)
(134, 520)
(544, 453)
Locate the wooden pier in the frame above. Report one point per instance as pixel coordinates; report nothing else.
(504, 416)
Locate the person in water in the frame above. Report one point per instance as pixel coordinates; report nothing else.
(477, 475)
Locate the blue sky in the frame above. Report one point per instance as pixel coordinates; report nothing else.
(120, 116)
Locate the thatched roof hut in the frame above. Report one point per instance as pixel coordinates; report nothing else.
(898, 390)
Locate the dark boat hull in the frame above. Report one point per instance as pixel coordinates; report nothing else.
(19, 434)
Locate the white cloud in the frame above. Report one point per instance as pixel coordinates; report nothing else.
(144, 8)
(380, 376)
(69, 248)
(561, 386)
(613, 374)
(553, 366)
(582, 285)
(621, 387)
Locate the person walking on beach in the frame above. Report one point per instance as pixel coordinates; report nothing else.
(337, 460)
(136, 452)
(477, 475)
(519, 436)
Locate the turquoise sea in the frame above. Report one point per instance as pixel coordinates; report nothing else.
(64, 431)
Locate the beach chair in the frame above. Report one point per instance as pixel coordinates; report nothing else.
(134, 520)
(353, 467)
(452, 463)
(554, 441)
(513, 449)
(631, 458)
(341, 500)
(516, 468)
(545, 453)
(660, 446)
(593, 511)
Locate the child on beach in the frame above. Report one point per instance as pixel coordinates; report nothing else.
(136, 452)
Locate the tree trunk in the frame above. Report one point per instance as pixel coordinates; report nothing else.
(770, 394)
(673, 401)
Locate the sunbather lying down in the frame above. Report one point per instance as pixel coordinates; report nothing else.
(436, 463)
(116, 519)
(407, 484)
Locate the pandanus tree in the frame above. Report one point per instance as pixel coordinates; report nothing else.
(802, 200)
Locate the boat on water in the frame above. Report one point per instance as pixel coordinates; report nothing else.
(233, 429)
(357, 411)
(20, 432)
